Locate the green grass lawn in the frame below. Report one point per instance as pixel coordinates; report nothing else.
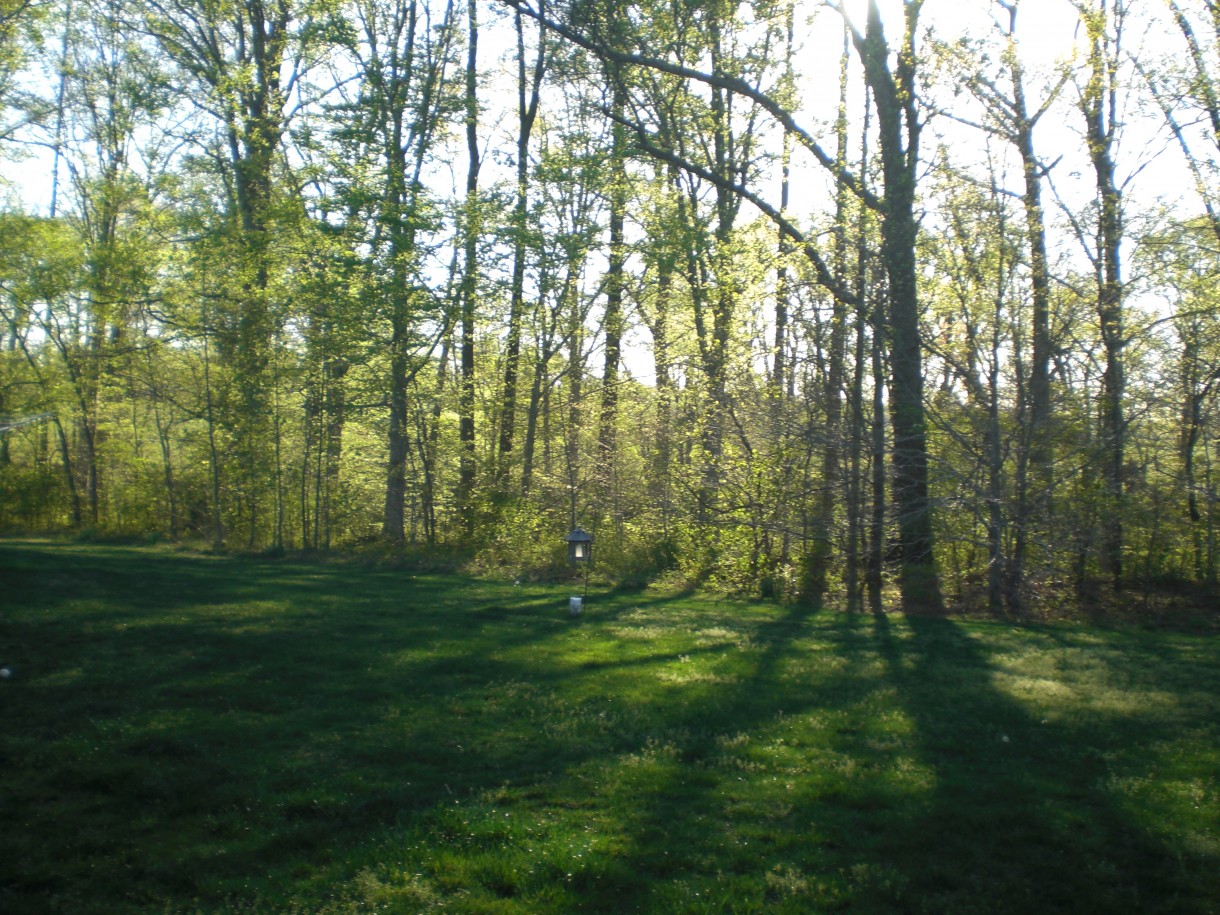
(194, 734)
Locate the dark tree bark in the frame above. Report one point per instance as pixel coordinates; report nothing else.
(469, 287)
(614, 325)
(405, 98)
(528, 96)
(894, 95)
(1098, 104)
(821, 548)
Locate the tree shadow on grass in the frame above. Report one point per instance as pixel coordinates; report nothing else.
(1023, 815)
(202, 750)
(406, 742)
(704, 812)
(969, 804)
(257, 715)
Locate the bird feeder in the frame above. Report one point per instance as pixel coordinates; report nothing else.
(580, 546)
(580, 553)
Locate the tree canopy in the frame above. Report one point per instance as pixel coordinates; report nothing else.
(797, 299)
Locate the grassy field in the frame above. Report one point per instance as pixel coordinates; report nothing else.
(192, 734)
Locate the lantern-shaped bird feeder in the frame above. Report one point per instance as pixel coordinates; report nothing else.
(580, 545)
(580, 552)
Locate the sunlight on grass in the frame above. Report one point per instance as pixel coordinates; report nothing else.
(227, 736)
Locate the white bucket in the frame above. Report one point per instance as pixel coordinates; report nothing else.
(574, 605)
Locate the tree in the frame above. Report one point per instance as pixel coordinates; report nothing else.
(42, 270)
(974, 256)
(17, 18)
(1187, 92)
(391, 127)
(1009, 117)
(472, 222)
(112, 91)
(1184, 260)
(241, 60)
(529, 86)
(1099, 105)
(895, 98)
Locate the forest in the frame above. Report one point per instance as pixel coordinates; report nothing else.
(871, 302)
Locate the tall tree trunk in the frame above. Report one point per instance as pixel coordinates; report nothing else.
(334, 412)
(662, 253)
(253, 144)
(1035, 457)
(237, 53)
(607, 436)
(1213, 554)
(714, 292)
(407, 103)
(1196, 390)
(995, 455)
(895, 96)
(469, 287)
(876, 527)
(429, 461)
(665, 394)
(820, 558)
(393, 516)
(395, 75)
(857, 528)
(576, 369)
(527, 111)
(529, 447)
(782, 291)
(548, 346)
(65, 453)
(1098, 104)
(218, 530)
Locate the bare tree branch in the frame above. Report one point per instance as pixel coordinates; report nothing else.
(723, 81)
(825, 276)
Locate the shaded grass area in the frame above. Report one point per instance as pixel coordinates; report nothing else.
(193, 734)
